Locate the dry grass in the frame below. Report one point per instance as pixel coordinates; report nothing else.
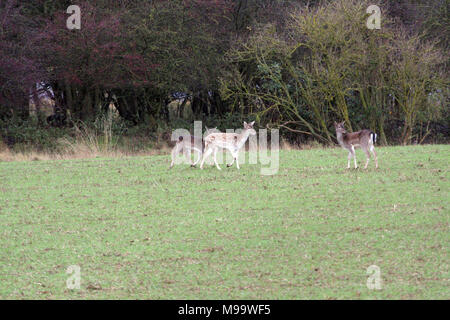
(310, 145)
(89, 142)
(78, 150)
(87, 146)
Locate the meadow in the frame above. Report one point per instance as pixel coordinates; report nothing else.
(140, 231)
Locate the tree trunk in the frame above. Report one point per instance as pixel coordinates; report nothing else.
(86, 107)
(69, 99)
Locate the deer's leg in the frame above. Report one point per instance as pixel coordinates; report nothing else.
(372, 149)
(232, 162)
(173, 158)
(368, 158)
(174, 153)
(215, 159)
(187, 154)
(205, 155)
(354, 156)
(349, 158)
(235, 157)
(198, 158)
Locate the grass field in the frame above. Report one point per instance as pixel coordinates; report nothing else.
(138, 230)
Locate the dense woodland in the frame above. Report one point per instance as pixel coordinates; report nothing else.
(295, 65)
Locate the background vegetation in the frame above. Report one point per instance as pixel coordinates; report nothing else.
(295, 65)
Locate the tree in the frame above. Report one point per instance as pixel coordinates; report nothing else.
(416, 75)
(327, 65)
(18, 72)
(186, 39)
(83, 64)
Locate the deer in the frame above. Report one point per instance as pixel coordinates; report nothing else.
(182, 146)
(232, 142)
(364, 139)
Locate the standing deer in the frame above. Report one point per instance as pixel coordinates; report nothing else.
(230, 141)
(364, 139)
(186, 147)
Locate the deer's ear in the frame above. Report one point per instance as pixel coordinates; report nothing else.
(245, 124)
(206, 128)
(335, 124)
(252, 123)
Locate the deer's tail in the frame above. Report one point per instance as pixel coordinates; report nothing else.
(373, 137)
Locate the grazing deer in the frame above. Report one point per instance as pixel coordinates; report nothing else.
(364, 139)
(230, 141)
(185, 147)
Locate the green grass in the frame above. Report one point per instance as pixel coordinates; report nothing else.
(138, 230)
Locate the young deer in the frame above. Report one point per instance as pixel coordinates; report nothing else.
(185, 147)
(230, 141)
(364, 139)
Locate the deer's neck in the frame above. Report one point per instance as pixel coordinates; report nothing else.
(242, 138)
(340, 137)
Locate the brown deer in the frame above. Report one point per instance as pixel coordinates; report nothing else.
(364, 139)
(186, 147)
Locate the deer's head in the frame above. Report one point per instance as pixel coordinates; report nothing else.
(249, 127)
(340, 127)
(210, 130)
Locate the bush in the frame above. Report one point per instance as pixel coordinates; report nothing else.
(21, 135)
(327, 65)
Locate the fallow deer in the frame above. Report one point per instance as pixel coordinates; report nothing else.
(364, 139)
(186, 147)
(230, 141)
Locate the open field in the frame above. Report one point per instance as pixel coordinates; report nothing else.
(138, 230)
